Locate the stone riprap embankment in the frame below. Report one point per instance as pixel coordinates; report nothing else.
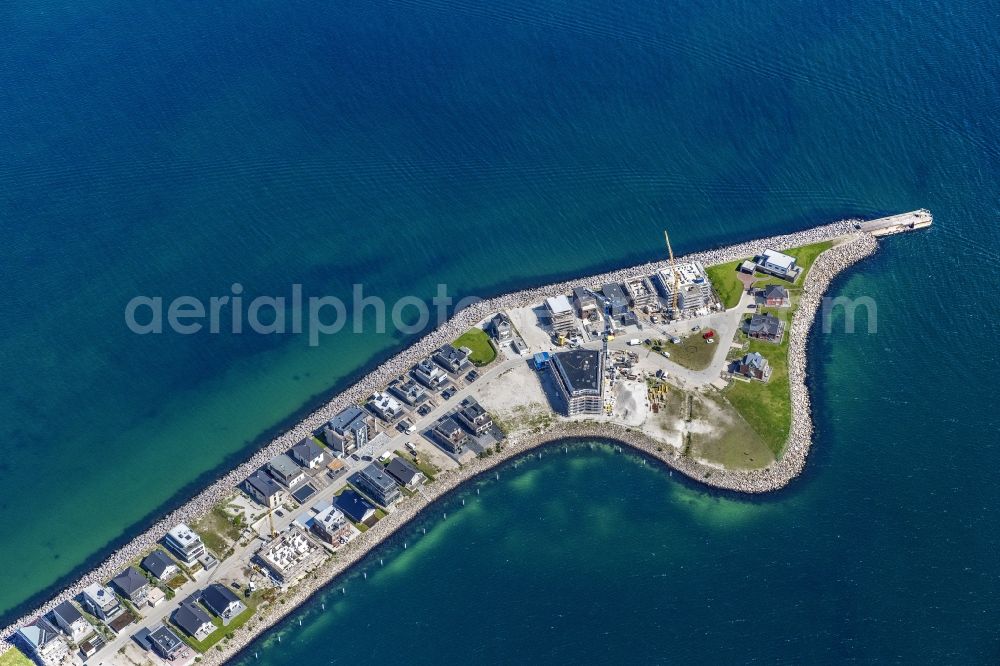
(826, 267)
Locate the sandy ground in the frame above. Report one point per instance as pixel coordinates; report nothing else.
(529, 323)
(631, 405)
(519, 400)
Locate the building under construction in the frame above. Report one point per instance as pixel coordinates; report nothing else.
(561, 316)
(579, 375)
(641, 293)
(694, 291)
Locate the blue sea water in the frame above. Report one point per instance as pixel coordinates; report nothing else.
(166, 150)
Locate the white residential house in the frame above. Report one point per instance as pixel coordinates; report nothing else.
(387, 407)
(429, 374)
(66, 617)
(185, 544)
(101, 602)
(44, 641)
(777, 263)
(308, 453)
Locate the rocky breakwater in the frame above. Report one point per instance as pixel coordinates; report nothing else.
(827, 266)
(202, 503)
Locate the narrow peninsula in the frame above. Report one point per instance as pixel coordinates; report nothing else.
(698, 362)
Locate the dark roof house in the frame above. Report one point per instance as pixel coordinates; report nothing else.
(160, 565)
(221, 601)
(132, 585)
(775, 296)
(405, 473)
(450, 434)
(765, 327)
(452, 359)
(68, 618)
(500, 328)
(193, 621)
(307, 453)
(265, 489)
(374, 482)
(354, 506)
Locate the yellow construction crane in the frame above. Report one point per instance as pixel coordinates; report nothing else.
(677, 281)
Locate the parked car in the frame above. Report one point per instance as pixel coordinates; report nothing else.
(472, 376)
(367, 458)
(355, 457)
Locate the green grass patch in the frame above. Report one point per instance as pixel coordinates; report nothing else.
(726, 277)
(218, 530)
(14, 657)
(177, 581)
(693, 352)
(726, 280)
(767, 407)
(478, 341)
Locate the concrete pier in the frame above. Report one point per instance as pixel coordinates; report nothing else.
(897, 224)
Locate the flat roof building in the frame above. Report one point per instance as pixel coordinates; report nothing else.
(561, 317)
(429, 374)
(579, 376)
(284, 469)
(185, 544)
(161, 640)
(351, 429)
(617, 300)
(100, 601)
(451, 435)
(374, 482)
(409, 391)
(641, 293)
(386, 406)
(778, 263)
(474, 417)
(331, 525)
(585, 303)
(453, 359)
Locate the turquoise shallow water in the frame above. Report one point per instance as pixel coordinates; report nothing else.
(147, 150)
